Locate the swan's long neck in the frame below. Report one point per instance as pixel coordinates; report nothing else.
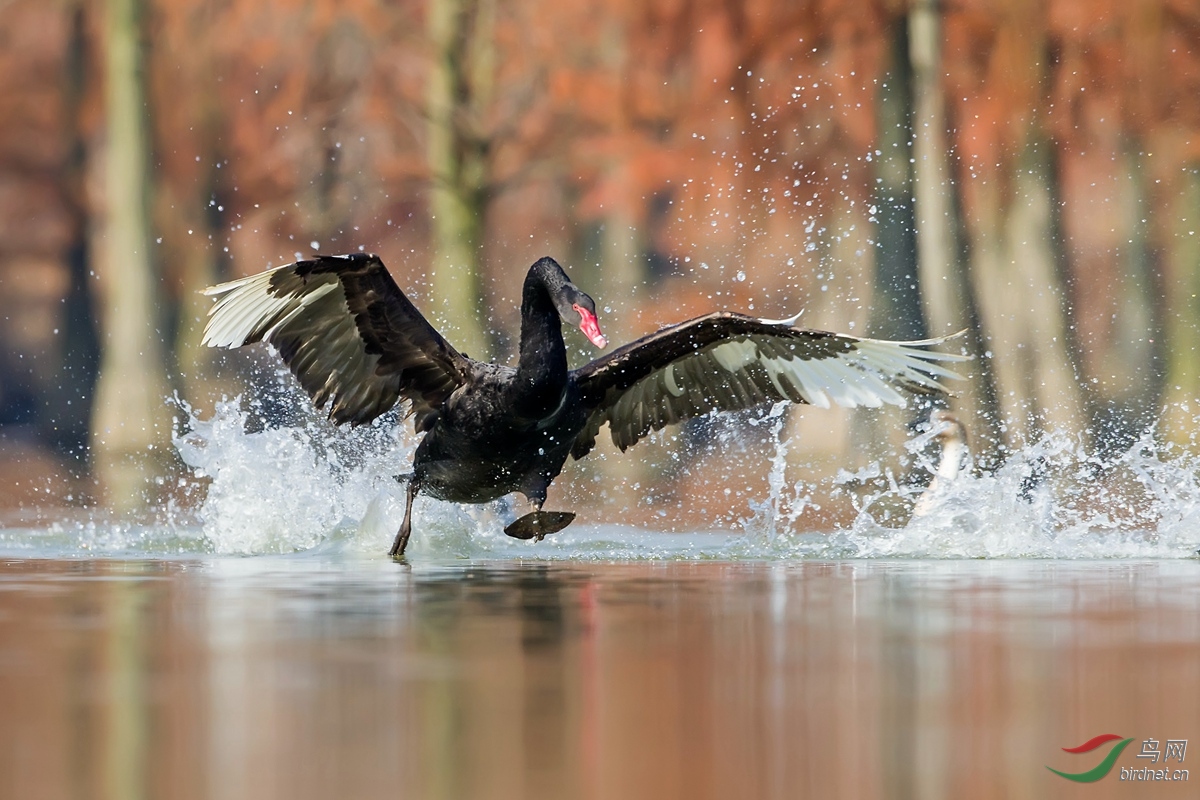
(542, 367)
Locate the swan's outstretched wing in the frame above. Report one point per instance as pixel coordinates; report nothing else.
(346, 331)
(727, 362)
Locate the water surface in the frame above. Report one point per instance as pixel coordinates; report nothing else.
(262, 647)
(344, 675)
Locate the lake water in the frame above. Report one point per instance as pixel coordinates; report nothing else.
(263, 647)
(334, 674)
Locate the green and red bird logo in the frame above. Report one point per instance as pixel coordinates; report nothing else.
(1104, 767)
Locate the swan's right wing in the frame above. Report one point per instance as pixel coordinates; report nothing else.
(729, 362)
(346, 331)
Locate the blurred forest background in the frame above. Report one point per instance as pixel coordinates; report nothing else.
(1027, 170)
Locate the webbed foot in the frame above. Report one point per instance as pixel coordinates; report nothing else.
(538, 524)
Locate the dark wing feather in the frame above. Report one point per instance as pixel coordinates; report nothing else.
(728, 362)
(346, 331)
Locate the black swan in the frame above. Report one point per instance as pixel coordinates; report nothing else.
(356, 343)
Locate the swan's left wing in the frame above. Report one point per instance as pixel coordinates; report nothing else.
(346, 331)
(728, 362)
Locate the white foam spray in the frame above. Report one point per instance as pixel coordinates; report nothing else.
(312, 485)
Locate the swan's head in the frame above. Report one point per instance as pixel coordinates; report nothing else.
(581, 312)
(574, 306)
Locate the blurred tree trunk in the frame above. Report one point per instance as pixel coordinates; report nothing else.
(621, 272)
(1023, 303)
(197, 267)
(822, 442)
(460, 84)
(937, 230)
(621, 275)
(897, 308)
(1181, 293)
(131, 425)
(896, 311)
(71, 400)
(190, 217)
(1124, 372)
(339, 63)
(943, 250)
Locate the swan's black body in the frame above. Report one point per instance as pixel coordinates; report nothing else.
(510, 430)
(356, 343)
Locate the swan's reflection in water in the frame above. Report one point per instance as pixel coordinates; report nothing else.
(305, 678)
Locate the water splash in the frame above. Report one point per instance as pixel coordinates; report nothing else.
(283, 489)
(1052, 499)
(771, 518)
(312, 485)
(309, 487)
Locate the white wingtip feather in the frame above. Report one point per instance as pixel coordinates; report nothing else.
(241, 306)
(789, 321)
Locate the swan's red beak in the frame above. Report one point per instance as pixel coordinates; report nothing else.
(590, 327)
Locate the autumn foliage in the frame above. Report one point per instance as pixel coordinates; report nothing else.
(679, 155)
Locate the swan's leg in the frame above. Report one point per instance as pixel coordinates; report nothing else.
(405, 526)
